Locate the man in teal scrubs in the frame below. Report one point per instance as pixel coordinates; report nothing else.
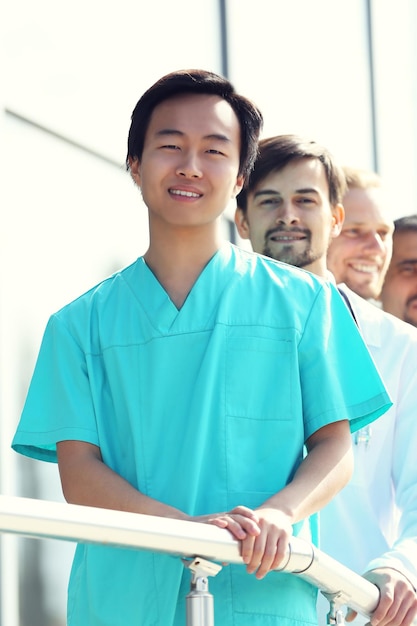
(189, 384)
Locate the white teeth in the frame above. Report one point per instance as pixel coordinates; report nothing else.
(367, 269)
(282, 238)
(187, 194)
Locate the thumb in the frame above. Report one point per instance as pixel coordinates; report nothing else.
(350, 615)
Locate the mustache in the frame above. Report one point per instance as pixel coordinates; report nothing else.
(288, 231)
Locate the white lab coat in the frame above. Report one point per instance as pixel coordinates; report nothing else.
(373, 521)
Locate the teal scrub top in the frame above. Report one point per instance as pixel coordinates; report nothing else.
(203, 408)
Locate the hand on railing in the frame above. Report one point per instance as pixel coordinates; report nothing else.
(264, 534)
(267, 550)
(240, 522)
(398, 601)
(37, 518)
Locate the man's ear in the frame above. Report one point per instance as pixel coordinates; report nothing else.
(240, 181)
(134, 167)
(338, 217)
(242, 225)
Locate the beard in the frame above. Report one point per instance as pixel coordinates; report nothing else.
(287, 253)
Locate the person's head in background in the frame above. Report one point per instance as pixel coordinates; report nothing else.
(290, 207)
(360, 256)
(399, 292)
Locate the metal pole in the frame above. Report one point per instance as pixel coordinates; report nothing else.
(372, 86)
(199, 602)
(335, 615)
(224, 47)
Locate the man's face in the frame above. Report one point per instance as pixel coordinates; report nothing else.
(289, 217)
(188, 171)
(399, 292)
(361, 254)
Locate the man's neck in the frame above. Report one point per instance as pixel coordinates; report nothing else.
(177, 262)
(319, 268)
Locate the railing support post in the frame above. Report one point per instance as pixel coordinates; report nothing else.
(199, 602)
(335, 616)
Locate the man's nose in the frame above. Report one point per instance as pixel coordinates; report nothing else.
(189, 166)
(287, 214)
(375, 242)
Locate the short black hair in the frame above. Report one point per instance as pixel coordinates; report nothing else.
(276, 152)
(197, 82)
(405, 224)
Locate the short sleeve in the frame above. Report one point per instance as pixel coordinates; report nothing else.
(59, 402)
(345, 384)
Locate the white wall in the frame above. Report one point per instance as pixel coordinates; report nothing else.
(305, 63)
(68, 221)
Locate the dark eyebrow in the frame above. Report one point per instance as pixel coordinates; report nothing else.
(168, 131)
(218, 137)
(307, 190)
(266, 192)
(173, 131)
(269, 192)
(408, 262)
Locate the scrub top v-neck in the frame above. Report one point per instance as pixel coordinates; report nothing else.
(202, 408)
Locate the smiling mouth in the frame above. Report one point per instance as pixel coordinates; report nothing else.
(185, 194)
(286, 238)
(365, 269)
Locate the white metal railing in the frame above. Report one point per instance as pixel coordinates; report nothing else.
(188, 540)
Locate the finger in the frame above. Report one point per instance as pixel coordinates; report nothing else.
(398, 614)
(232, 525)
(350, 615)
(249, 525)
(257, 553)
(384, 610)
(247, 548)
(280, 553)
(410, 615)
(268, 557)
(217, 521)
(245, 512)
(275, 553)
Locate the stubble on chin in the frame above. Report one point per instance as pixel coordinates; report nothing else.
(288, 256)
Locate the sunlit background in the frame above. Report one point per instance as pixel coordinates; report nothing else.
(341, 71)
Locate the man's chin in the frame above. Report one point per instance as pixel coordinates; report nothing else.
(369, 291)
(286, 254)
(367, 287)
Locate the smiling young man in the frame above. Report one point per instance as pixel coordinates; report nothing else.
(399, 292)
(291, 209)
(310, 211)
(184, 386)
(360, 256)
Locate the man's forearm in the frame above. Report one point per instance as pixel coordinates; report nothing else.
(323, 473)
